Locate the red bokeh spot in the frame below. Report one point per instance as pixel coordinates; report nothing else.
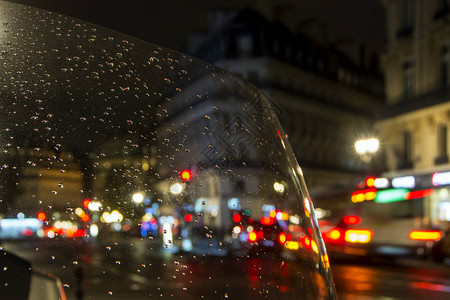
(41, 216)
(188, 218)
(186, 175)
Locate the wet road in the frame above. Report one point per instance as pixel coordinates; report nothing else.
(136, 269)
(402, 279)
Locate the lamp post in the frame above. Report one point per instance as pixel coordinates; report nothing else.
(366, 148)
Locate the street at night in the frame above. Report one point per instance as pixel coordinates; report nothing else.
(281, 150)
(137, 269)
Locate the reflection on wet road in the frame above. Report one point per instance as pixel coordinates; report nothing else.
(405, 279)
(139, 269)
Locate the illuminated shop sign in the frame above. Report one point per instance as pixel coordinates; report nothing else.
(406, 182)
(441, 178)
(391, 195)
(381, 183)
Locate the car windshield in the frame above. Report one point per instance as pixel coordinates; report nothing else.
(132, 171)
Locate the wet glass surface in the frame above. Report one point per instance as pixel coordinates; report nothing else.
(132, 170)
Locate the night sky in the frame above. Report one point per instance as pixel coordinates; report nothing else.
(346, 23)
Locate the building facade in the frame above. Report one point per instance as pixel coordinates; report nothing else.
(416, 64)
(413, 127)
(324, 101)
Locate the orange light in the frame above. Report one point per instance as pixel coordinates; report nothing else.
(314, 246)
(41, 216)
(326, 261)
(85, 218)
(252, 236)
(370, 182)
(358, 236)
(282, 238)
(186, 175)
(266, 221)
(291, 245)
(425, 235)
(362, 195)
(86, 203)
(273, 214)
(352, 220)
(306, 241)
(334, 235)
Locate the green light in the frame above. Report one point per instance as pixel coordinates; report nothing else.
(248, 212)
(391, 195)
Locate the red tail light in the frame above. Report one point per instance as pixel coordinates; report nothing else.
(425, 235)
(352, 220)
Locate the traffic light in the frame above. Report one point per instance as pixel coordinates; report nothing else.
(86, 203)
(41, 216)
(186, 175)
(370, 182)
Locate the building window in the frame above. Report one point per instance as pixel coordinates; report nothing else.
(445, 65)
(442, 144)
(408, 78)
(407, 147)
(410, 13)
(245, 45)
(442, 139)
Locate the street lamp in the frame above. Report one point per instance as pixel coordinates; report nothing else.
(366, 148)
(278, 187)
(138, 198)
(176, 188)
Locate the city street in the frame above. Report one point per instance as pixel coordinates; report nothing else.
(136, 269)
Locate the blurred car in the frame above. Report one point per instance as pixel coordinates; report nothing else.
(21, 282)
